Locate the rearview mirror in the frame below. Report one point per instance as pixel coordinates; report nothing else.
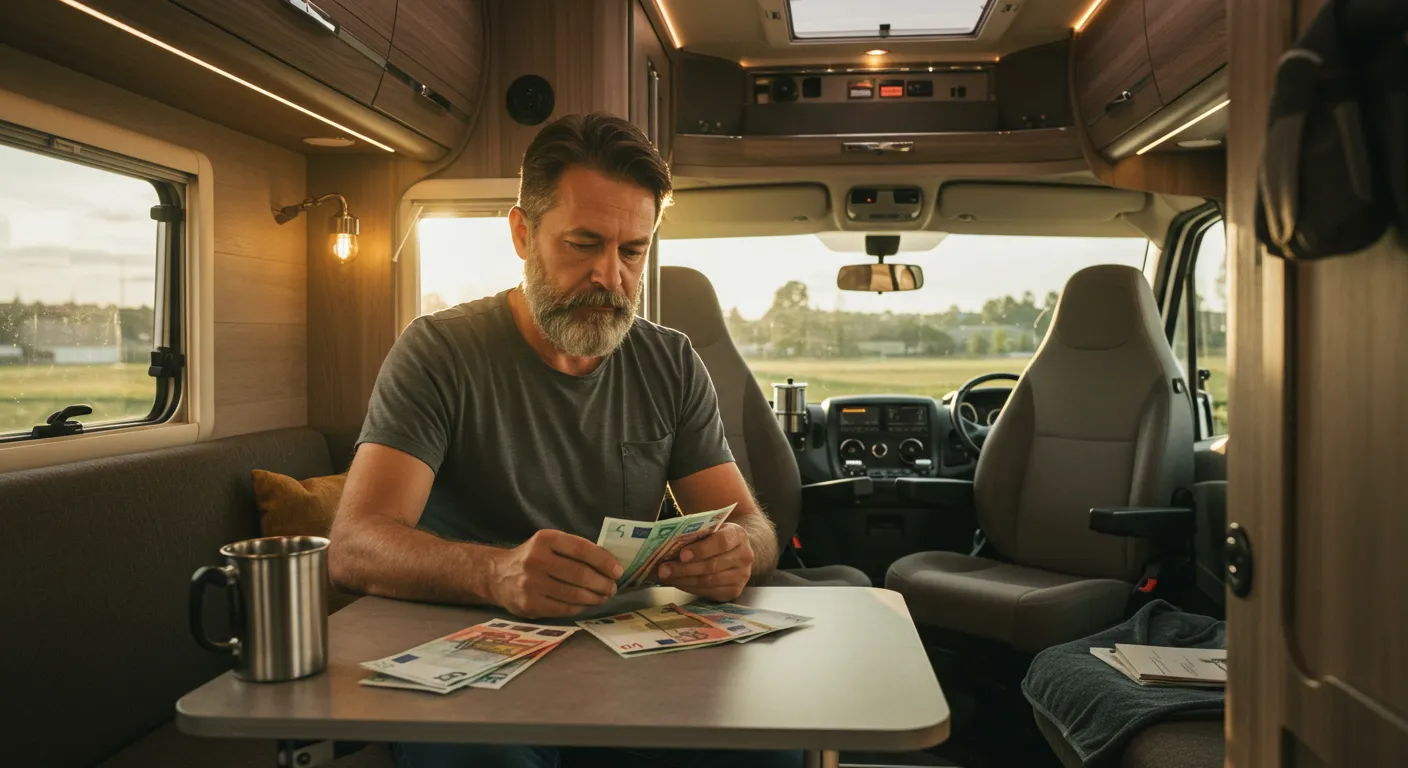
(880, 278)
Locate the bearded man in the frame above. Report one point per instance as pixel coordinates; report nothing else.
(501, 432)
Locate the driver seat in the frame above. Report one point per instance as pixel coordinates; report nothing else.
(1101, 417)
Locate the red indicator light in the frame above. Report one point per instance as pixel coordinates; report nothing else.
(891, 91)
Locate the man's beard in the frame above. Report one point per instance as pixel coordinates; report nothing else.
(597, 334)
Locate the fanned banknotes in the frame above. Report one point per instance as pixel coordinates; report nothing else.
(640, 547)
(744, 622)
(478, 656)
(668, 628)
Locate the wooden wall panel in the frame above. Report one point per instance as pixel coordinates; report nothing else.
(580, 47)
(1259, 31)
(351, 307)
(1317, 669)
(250, 177)
(261, 291)
(259, 362)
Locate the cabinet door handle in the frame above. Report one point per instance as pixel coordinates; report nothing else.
(427, 93)
(1124, 98)
(319, 16)
(877, 147)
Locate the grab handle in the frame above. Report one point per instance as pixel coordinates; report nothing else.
(217, 576)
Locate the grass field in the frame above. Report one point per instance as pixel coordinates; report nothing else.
(29, 393)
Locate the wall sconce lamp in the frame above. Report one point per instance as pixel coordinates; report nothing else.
(343, 228)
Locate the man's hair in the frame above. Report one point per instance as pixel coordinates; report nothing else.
(603, 143)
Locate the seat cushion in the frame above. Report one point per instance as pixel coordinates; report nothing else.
(167, 746)
(824, 576)
(105, 549)
(1174, 744)
(1027, 608)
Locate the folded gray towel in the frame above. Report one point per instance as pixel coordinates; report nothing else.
(1098, 709)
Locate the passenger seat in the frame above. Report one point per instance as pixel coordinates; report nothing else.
(689, 305)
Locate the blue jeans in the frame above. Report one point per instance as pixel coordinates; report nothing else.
(496, 756)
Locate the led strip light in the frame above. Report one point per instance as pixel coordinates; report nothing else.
(1184, 127)
(669, 24)
(1089, 12)
(194, 60)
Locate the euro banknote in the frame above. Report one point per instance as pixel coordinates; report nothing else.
(745, 623)
(659, 628)
(464, 656)
(494, 679)
(640, 546)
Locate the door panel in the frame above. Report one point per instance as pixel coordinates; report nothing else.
(1318, 649)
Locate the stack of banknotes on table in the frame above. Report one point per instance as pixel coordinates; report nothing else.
(486, 655)
(700, 624)
(640, 547)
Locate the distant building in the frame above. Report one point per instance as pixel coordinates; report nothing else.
(886, 348)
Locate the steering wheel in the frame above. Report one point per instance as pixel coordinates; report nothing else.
(972, 435)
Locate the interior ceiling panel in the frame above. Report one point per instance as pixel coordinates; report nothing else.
(746, 31)
(1015, 203)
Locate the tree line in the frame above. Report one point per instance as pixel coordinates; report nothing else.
(792, 327)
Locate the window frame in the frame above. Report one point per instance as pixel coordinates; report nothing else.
(1186, 235)
(193, 405)
(168, 307)
(797, 39)
(467, 198)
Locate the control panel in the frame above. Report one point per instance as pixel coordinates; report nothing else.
(883, 437)
(971, 83)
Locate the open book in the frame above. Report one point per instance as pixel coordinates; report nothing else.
(1160, 666)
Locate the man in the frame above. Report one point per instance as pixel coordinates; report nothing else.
(501, 432)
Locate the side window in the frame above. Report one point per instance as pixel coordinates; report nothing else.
(463, 258)
(89, 287)
(1200, 335)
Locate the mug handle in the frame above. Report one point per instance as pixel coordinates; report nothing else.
(219, 576)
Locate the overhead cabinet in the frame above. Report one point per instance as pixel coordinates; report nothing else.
(306, 40)
(1137, 57)
(416, 61)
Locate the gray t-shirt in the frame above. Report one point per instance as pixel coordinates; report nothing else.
(517, 445)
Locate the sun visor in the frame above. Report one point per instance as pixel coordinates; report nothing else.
(790, 209)
(1036, 209)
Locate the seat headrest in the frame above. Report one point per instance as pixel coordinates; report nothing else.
(1104, 307)
(689, 305)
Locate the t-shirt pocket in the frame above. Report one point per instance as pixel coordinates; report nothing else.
(644, 472)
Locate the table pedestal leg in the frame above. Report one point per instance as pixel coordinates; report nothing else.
(821, 758)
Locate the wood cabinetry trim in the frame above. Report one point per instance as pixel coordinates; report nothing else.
(1109, 56)
(1034, 146)
(1187, 41)
(1196, 174)
(275, 28)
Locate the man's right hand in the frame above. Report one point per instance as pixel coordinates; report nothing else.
(554, 574)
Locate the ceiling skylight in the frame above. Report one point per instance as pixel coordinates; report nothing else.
(872, 19)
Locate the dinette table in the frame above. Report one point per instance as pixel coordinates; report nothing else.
(856, 678)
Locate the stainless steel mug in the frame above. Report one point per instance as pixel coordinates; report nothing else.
(277, 593)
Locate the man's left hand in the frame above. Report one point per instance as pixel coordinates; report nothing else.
(717, 566)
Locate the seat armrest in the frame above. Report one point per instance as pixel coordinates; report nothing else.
(935, 490)
(1144, 522)
(837, 492)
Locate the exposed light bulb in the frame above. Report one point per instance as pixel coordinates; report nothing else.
(344, 247)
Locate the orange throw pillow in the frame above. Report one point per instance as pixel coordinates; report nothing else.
(288, 507)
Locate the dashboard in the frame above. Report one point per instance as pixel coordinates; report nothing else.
(892, 436)
(883, 436)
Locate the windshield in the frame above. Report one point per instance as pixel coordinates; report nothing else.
(984, 308)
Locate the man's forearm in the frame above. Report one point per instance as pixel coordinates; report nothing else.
(762, 537)
(388, 558)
